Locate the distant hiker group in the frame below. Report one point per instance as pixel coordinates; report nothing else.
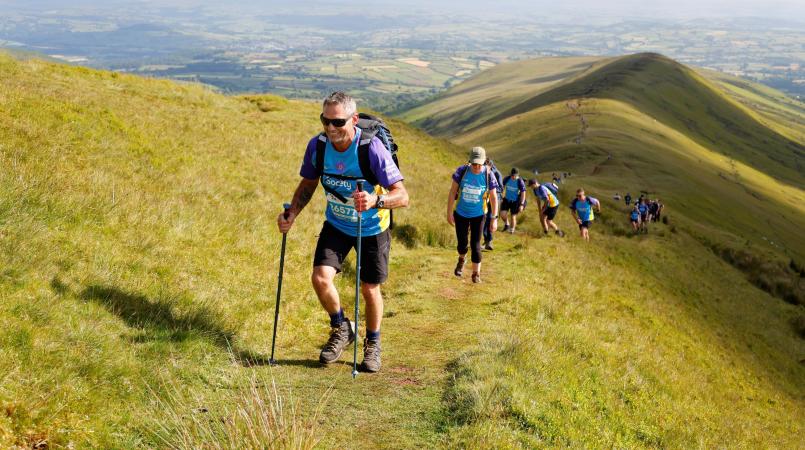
(472, 207)
(643, 212)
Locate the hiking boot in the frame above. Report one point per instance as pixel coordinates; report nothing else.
(488, 245)
(505, 227)
(476, 277)
(511, 230)
(371, 356)
(460, 266)
(560, 233)
(340, 338)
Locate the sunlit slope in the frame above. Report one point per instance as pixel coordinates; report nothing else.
(772, 107)
(486, 94)
(138, 243)
(681, 99)
(138, 262)
(695, 182)
(668, 132)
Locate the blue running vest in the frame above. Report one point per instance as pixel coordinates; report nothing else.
(340, 174)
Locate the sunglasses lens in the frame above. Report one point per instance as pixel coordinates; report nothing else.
(338, 123)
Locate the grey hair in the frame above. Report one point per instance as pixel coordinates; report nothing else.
(343, 99)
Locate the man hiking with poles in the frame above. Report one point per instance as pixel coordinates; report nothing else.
(335, 158)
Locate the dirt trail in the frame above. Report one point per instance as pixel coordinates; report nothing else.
(577, 107)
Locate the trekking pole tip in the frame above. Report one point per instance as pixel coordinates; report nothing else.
(354, 374)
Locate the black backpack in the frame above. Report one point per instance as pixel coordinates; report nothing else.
(371, 127)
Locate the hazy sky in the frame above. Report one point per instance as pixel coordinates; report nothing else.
(678, 9)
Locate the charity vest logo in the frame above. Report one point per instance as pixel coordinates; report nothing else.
(338, 183)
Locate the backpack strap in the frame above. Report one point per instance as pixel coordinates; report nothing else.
(463, 170)
(363, 158)
(321, 147)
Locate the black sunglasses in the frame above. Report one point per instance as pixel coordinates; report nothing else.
(338, 123)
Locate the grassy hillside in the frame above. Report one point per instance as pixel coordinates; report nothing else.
(676, 96)
(644, 122)
(138, 261)
(476, 100)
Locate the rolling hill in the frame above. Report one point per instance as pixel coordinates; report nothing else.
(725, 154)
(138, 262)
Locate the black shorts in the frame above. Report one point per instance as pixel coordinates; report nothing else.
(513, 206)
(550, 213)
(634, 220)
(333, 246)
(644, 217)
(585, 224)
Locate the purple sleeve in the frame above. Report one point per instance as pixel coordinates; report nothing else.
(493, 183)
(382, 165)
(308, 169)
(521, 185)
(595, 201)
(459, 173)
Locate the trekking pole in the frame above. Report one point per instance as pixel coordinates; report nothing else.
(357, 292)
(272, 361)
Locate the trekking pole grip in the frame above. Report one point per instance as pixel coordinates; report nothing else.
(287, 208)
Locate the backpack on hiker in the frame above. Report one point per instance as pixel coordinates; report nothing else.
(498, 176)
(463, 169)
(371, 127)
(466, 168)
(520, 185)
(553, 188)
(586, 200)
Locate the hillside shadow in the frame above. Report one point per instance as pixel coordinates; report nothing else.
(161, 320)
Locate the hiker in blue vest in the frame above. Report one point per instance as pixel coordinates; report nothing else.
(582, 207)
(488, 235)
(473, 184)
(338, 167)
(513, 199)
(642, 206)
(634, 218)
(548, 202)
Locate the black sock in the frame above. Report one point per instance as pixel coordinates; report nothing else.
(337, 318)
(373, 335)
